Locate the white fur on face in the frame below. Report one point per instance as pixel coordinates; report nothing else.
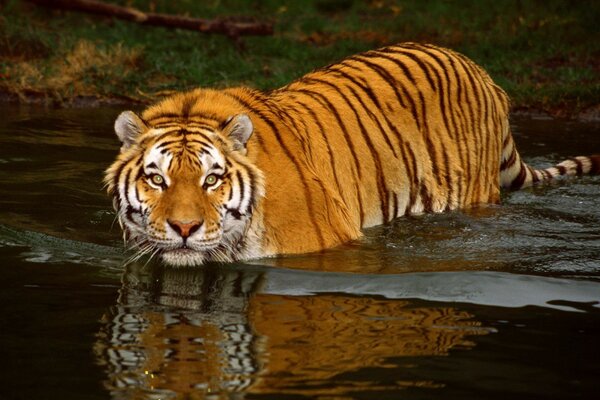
(221, 239)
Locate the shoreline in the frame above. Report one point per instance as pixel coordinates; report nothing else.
(589, 114)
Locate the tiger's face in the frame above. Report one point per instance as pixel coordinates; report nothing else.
(186, 192)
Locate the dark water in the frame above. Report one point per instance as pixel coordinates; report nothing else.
(497, 302)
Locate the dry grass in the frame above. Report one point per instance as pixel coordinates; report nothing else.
(86, 70)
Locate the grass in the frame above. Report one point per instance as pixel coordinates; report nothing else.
(546, 54)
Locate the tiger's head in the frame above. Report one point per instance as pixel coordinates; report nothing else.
(184, 190)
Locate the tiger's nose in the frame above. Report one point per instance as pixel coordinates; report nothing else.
(185, 229)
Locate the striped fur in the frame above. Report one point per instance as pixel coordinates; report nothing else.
(401, 130)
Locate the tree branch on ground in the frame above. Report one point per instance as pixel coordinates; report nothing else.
(229, 26)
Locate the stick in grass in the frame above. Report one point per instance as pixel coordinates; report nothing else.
(231, 27)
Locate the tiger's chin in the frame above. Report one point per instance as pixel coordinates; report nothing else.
(184, 257)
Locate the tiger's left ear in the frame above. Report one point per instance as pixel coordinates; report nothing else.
(238, 129)
(128, 127)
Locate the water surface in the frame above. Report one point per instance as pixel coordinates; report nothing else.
(494, 302)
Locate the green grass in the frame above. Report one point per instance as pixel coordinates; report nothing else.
(546, 54)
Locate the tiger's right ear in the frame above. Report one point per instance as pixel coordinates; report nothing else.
(238, 129)
(128, 126)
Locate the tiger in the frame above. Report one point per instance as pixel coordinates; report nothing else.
(225, 175)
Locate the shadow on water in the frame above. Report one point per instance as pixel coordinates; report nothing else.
(494, 302)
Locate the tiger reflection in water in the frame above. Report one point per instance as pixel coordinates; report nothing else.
(190, 333)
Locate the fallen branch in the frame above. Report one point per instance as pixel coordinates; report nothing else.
(231, 27)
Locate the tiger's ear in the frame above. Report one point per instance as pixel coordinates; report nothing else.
(128, 126)
(238, 129)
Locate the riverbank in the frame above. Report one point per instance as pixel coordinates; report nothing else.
(545, 55)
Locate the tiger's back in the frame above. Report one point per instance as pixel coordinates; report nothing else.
(401, 130)
(415, 128)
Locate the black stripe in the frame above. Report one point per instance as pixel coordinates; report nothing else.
(230, 190)
(509, 161)
(125, 197)
(404, 146)
(381, 185)
(180, 125)
(188, 103)
(534, 176)
(487, 101)
(579, 166)
(415, 178)
(354, 171)
(430, 146)
(166, 125)
(424, 127)
(420, 126)
(595, 168)
(242, 188)
(139, 174)
(520, 179)
(162, 136)
(137, 193)
(365, 86)
(324, 102)
(258, 139)
(417, 60)
(117, 176)
(129, 211)
(234, 213)
(442, 96)
(253, 179)
(262, 117)
(367, 90)
(172, 115)
(384, 53)
(462, 133)
(283, 115)
(290, 156)
(473, 107)
(300, 134)
(394, 85)
(506, 141)
(383, 73)
(191, 138)
(330, 153)
(167, 143)
(426, 199)
(457, 137)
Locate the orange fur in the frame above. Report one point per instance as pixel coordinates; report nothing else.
(400, 130)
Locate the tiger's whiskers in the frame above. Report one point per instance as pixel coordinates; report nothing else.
(140, 251)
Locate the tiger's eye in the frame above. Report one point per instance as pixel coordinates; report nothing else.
(210, 180)
(157, 179)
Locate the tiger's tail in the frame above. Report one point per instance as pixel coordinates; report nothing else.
(515, 174)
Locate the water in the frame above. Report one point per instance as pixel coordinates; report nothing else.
(495, 302)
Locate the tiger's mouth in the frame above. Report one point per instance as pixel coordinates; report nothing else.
(187, 254)
(183, 256)
(190, 252)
